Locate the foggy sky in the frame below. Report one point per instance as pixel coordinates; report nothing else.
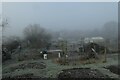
(58, 16)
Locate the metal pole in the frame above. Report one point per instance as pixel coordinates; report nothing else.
(105, 54)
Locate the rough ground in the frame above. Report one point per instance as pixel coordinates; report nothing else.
(81, 73)
(48, 69)
(114, 68)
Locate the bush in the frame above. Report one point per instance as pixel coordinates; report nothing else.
(9, 47)
(36, 36)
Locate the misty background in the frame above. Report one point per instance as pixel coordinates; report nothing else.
(70, 20)
(70, 34)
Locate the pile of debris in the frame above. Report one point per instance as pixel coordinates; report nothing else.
(93, 50)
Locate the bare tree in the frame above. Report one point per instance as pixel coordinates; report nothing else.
(37, 36)
(3, 22)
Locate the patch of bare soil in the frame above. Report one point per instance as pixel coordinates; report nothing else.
(31, 65)
(114, 68)
(81, 73)
(30, 76)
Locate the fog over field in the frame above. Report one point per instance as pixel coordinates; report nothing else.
(59, 40)
(58, 16)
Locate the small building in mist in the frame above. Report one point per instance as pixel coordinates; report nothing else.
(98, 40)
